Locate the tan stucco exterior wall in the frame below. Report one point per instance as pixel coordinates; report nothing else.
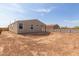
(13, 27)
(37, 26)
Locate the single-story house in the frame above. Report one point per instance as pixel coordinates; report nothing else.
(52, 27)
(27, 26)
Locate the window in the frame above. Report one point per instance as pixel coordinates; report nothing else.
(36, 25)
(31, 27)
(20, 26)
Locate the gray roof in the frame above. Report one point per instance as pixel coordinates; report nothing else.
(30, 20)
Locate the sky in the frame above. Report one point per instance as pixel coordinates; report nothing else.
(64, 14)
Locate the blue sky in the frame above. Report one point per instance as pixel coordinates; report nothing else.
(63, 14)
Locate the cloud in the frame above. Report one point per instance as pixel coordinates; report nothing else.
(72, 21)
(9, 12)
(11, 8)
(43, 11)
(16, 8)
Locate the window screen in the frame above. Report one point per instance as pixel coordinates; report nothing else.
(20, 26)
(31, 27)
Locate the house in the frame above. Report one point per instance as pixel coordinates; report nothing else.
(27, 26)
(56, 26)
(52, 27)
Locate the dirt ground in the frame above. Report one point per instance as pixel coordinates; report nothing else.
(53, 44)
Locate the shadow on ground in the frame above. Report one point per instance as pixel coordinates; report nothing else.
(36, 34)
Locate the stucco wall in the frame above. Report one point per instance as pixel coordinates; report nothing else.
(13, 27)
(37, 26)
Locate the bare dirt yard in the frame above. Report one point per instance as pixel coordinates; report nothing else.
(53, 44)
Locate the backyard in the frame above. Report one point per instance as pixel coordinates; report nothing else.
(53, 44)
